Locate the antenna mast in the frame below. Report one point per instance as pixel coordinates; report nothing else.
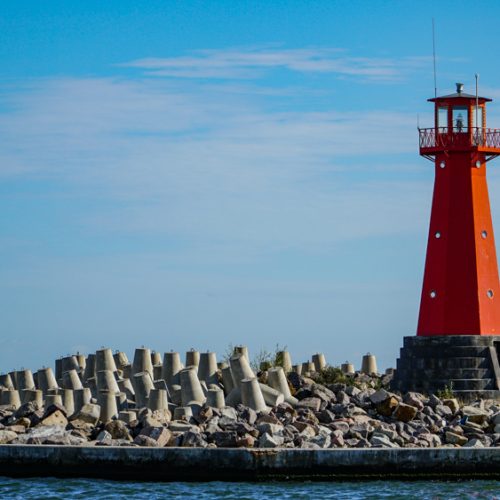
(434, 56)
(477, 101)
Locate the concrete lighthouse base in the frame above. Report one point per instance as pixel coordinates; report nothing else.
(467, 364)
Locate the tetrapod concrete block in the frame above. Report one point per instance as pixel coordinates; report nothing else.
(71, 380)
(207, 369)
(25, 380)
(142, 361)
(68, 401)
(319, 361)
(369, 364)
(276, 378)
(69, 363)
(240, 369)
(251, 394)
(46, 380)
(284, 360)
(107, 402)
(272, 397)
(121, 359)
(143, 383)
(227, 380)
(6, 381)
(106, 381)
(347, 368)
(171, 368)
(183, 413)
(104, 360)
(191, 387)
(155, 358)
(81, 397)
(10, 397)
(243, 350)
(215, 398)
(157, 400)
(35, 395)
(53, 399)
(192, 358)
(89, 371)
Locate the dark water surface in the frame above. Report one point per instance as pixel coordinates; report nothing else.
(51, 488)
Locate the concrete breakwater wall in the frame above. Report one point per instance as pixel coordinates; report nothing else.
(181, 464)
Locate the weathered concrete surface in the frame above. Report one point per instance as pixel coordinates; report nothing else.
(202, 464)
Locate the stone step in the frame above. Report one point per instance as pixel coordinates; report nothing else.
(444, 352)
(449, 373)
(452, 340)
(434, 385)
(444, 363)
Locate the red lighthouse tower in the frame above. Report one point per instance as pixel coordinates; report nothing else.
(461, 293)
(458, 334)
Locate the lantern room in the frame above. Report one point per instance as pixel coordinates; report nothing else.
(459, 125)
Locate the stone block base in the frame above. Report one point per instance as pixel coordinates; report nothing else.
(468, 364)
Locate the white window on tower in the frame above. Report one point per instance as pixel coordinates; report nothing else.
(477, 117)
(460, 119)
(442, 123)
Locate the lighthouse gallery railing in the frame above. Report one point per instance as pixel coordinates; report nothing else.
(459, 137)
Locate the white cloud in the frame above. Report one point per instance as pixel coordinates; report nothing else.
(250, 63)
(212, 167)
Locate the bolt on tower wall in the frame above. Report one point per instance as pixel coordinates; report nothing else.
(460, 293)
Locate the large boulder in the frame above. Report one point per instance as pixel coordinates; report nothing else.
(89, 413)
(387, 407)
(7, 437)
(313, 403)
(476, 415)
(457, 439)
(159, 434)
(404, 412)
(118, 430)
(56, 417)
(225, 439)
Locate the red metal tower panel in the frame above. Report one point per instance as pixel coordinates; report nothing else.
(461, 292)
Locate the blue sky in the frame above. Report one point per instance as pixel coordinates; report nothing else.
(194, 174)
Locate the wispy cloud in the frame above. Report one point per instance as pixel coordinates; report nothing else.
(251, 63)
(203, 166)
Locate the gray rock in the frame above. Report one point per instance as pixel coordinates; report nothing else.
(443, 411)
(313, 403)
(161, 435)
(267, 441)
(476, 415)
(473, 443)
(326, 417)
(192, 439)
(322, 440)
(89, 413)
(379, 397)
(452, 438)
(7, 437)
(228, 412)
(224, 439)
(271, 429)
(380, 440)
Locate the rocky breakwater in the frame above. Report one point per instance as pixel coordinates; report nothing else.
(156, 402)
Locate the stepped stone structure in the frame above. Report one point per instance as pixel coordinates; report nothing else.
(467, 364)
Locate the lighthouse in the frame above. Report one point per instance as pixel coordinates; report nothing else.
(458, 332)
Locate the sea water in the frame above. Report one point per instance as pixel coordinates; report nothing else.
(51, 488)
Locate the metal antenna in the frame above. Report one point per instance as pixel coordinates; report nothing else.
(477, 100)
(434, 56)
